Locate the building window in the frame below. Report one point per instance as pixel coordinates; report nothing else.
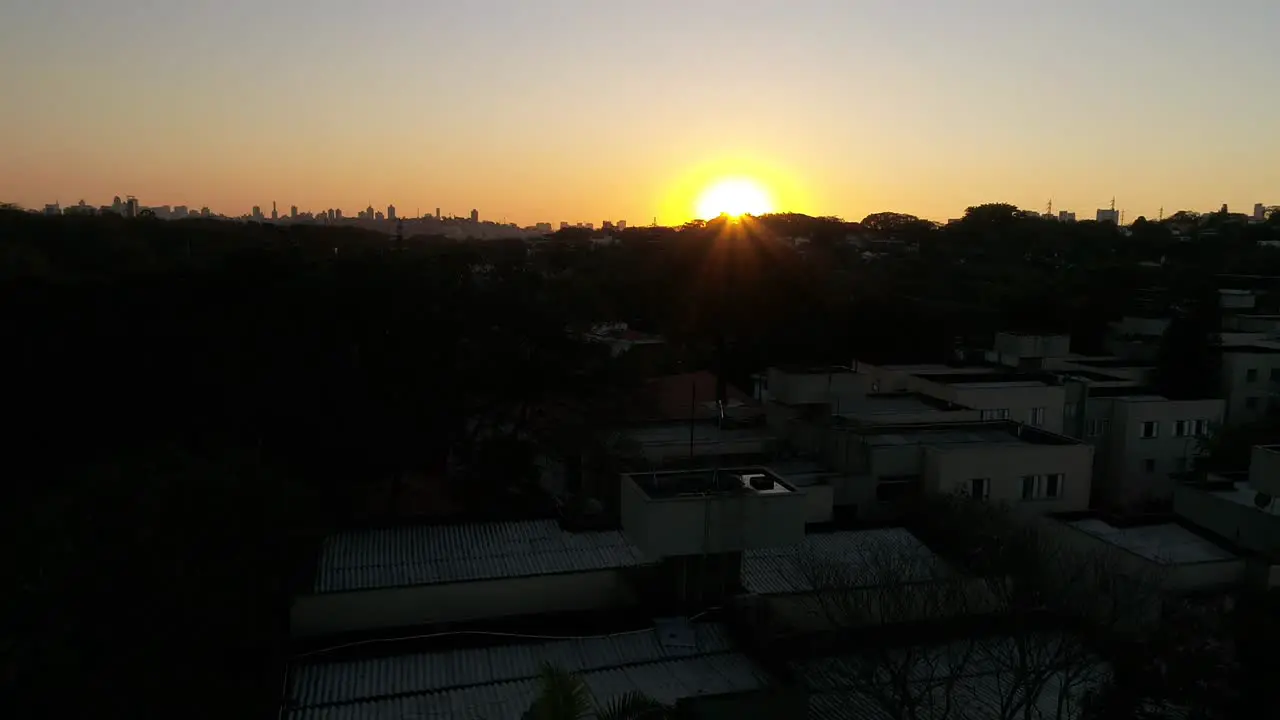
(1150, 429)
(1200, 428)
(1041, 487)
(1251, 375)
(977, 488)
(1036, 416)
(1149, 466)
(1096, 428)
(995, 415)
(1182, 428)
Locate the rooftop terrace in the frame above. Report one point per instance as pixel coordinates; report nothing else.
(693, 483)
(1243, 493)
(1164, 543)
(999, 432)
(992, 379)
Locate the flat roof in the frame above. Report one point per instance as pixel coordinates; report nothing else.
(1164, 543)
(1243, 493)
(896, 403)
(679, 483)
(1111, 362)
(802, 473)
(1094, 376)
(673, 660)
(859, 558)
(433, 554)
(684, 432)
(991, 379)
(815, 369)
(989, 432)
(940, 369)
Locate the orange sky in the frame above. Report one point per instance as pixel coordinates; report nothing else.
(585, 111)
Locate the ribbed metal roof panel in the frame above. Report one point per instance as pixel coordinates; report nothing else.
(348, 681)
(859, 558)
(397, 557)
(666, 681)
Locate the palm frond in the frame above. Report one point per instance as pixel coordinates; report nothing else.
(633, 706)
(562, 696)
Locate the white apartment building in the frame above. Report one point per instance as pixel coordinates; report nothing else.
(1250, 378)
(996, 461)
(1145, 443)
(1034, 398)
(1142, 441)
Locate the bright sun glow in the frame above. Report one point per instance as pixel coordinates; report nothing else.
(734, 197)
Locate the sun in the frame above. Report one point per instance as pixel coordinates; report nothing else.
(734, 197)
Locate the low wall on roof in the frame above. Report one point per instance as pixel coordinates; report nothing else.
(384, 608)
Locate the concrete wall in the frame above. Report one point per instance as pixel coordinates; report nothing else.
(794, 388)
(819, 502)
(948, 470)
(331, 613)
(1244, 526)
(1127, 479)
(924, 417)
(716, 523)
(1264, 469)
(1009, 345)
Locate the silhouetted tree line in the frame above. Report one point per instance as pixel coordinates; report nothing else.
(193, 403)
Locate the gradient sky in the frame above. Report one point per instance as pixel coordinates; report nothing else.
(583, 110)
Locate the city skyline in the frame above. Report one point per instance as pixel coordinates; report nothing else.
(635, 111)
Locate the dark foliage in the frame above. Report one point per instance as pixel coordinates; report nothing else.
(193, 403)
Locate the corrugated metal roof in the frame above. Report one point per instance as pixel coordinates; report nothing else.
(858, 558)
(351, 680)
(458, 553)
(501, 682)
(666, 682)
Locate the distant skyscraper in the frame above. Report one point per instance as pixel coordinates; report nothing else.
(1066, 216)
(391, 212)
(607, 225)
(204, 212)
(293, 212)
(131, 207)
(330, 214)
(274, 215)
(437, 213)
(377, 216)
(622, 225)
(1259, 212)
(337, 213)
(180, 211)
(257, 212)
(1110, 215)
(564, 224)
(475, 216)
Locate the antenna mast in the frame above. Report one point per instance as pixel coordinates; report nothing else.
(1048, 210)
